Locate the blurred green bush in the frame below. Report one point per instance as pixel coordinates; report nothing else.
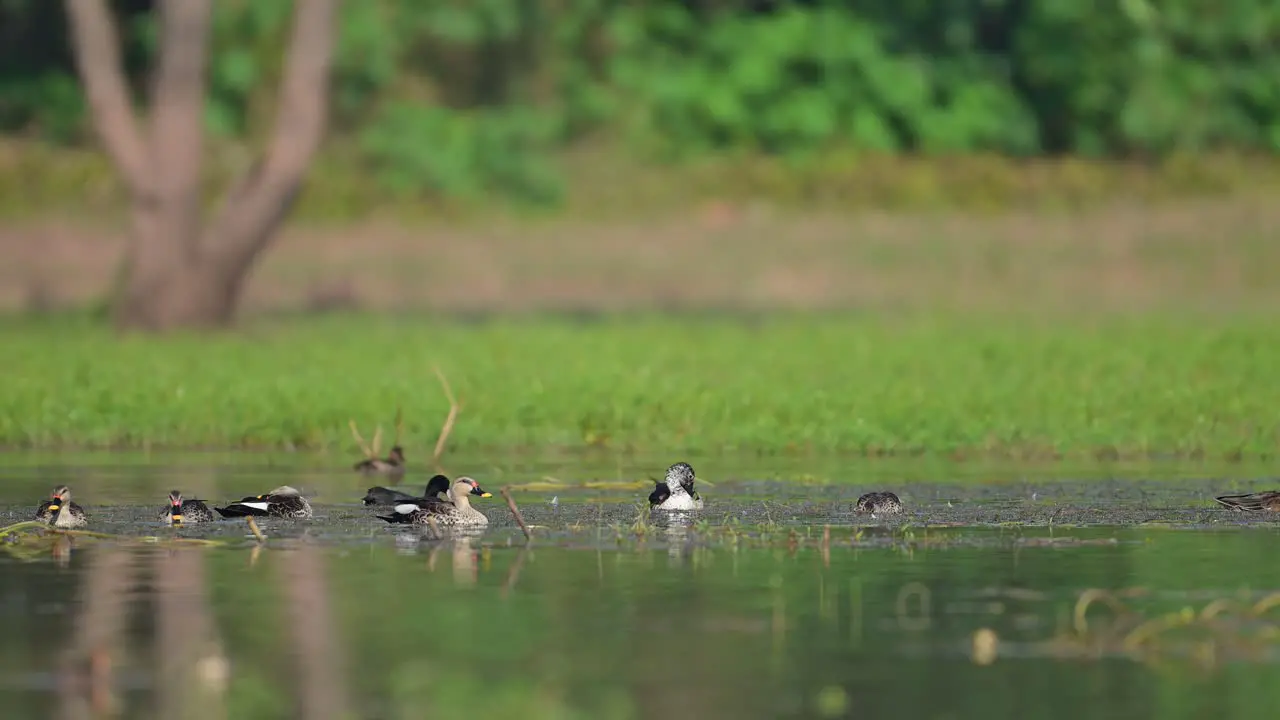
(475, 97)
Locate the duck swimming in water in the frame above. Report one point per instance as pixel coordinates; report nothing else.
(1268, 500)
(676, 491)
(456, 510)
(283, 502)
(392, 465)
(379, 495)
(879, 503)
(60, 512)
(185, 511)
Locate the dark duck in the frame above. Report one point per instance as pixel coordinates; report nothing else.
(283, 502)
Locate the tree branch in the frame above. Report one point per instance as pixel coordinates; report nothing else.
(263, 197)
(97, 55)
(177, 113)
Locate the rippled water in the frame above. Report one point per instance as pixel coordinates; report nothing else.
(982, 601)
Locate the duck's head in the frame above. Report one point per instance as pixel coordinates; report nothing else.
(679, 477)
(436, 485)
(60, 496)
(397, 454)
(466, 486)
(175, 507)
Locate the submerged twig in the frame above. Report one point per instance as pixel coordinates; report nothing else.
(27, 526)
(24, 525)
(253, 528)
(1087, 598)
(449, 420)
(435, 527)
(515, 513)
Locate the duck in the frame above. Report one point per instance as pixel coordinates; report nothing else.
(283, 502)
(185, 511)
(392, 465)
(676, 491)
(379, 495)
(1268, 500)
(456, 510)
(60, 512)
(879, 503)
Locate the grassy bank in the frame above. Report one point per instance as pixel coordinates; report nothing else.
(1123, 387)
(607, 182)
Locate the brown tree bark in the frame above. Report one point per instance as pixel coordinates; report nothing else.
(181, 270)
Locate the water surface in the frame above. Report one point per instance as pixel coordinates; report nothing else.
(744, 612)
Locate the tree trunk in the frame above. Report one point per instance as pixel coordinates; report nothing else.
(157, 298)
(180, 271)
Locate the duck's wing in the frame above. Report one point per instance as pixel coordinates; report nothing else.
(386, 496)
(256, 505)
(1250, 501)
(434, 506)
(194, 508)
(43, 512)
(660, 494)
(403, 513)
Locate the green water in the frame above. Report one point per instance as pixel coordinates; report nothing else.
(748, 615)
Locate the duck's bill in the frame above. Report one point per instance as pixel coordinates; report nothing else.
(482, 493)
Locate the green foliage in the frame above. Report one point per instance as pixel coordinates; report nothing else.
(848, 384)
(474, 96)
(463, 154)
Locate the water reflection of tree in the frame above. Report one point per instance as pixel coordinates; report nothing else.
(190, 671)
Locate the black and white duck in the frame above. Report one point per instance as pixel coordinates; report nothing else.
(379, 495)
(185, 511)
(392, 465)
(676, 491)
(456, 510)
(879, 503)
(59, 511)
(283, 502)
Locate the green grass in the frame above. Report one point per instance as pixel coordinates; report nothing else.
(1120, 387)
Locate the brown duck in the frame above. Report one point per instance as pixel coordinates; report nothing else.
(59, 511)
(1269, 500)
(392, 465)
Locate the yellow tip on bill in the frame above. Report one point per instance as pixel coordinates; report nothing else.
(54, 508)
(486, 494)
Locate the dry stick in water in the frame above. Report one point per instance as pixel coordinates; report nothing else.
(515, 513)
(435, 527)
(447, 428)
(253, 527)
